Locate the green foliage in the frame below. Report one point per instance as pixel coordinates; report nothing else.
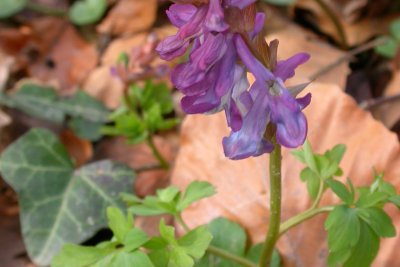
(11, 7)
(355, 227)
(143, 113)
(169, 200)
(84, 114)
(122, 252)
(231, 237)
(280, 2)
(390, 47)
(59, 204)
(320, 168)
(181, 252)
(87, 11)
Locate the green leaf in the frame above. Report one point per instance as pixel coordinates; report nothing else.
(365, 250)
(119, 224)
(395, 29)
(157, 93)
(124, 259)
(395, 200)
(128, 125)
(387, 49)
(312, 180)
(168, 194)
(341, 191)
(299, 155)
(254, 254)
(369, 199)
(11, 7)
(72, 208)
(86, 129)
(229, 236)
(309, 157)
(87, 11)
(195, 191)
(134, 239)
(78, 256)
(84, 106)
(336, 154)
(38, 101)
(196, 242)
(379, 221)
(280, 2)
(343, 228)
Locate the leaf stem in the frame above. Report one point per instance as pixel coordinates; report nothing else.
(46, 10)
(275, 162)
(229, 256)
(336, 22)
(163, 163)
(308, 214)
(150, 167)
(319, 195)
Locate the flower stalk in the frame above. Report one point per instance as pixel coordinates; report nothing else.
(275, 175)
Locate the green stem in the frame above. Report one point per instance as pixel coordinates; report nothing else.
(319, 195)
(163, 163)
(275, 206)
(46, 10)
(338, 25)
(292, 222)
(217, 251)
(229, 256)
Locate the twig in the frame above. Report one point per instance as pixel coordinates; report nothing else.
(347, 56)
(338, 25)
(147, 168)
(375, 102)
(46, 10)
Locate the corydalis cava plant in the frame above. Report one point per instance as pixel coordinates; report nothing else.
(225, 42)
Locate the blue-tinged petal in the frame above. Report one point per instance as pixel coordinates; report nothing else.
(249, 141)
(248, 59)
(258, 25)
(290, 121)
(285, 69)
(215, 17)
(200, 103)
(180, 14)
(172, 47)
(239, 3)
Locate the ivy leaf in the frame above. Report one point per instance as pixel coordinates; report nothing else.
(87, 11)
(11, 7)
(228, 236)
(37, 101)
(194, 192)
(86, 129)
(79, 256)
(84, 106)
(72, 208)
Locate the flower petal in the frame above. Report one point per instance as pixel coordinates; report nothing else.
(215, 17)
(180, 14)
(285, 69)
(239, 3)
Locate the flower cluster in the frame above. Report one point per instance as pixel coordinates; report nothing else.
(220, 36)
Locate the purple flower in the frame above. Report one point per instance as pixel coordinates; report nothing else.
(272, 103)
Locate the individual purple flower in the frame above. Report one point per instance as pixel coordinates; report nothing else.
(272, 103)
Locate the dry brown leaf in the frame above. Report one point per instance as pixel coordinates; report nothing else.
(129, 16)
(69, 60)
(389, 113)
(81, 151)
(357, 32)
(242, 186)
(322, 54)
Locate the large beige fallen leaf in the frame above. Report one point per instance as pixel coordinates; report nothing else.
(357, 32)
(242, 186)
(322, 54)
(129, 16)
